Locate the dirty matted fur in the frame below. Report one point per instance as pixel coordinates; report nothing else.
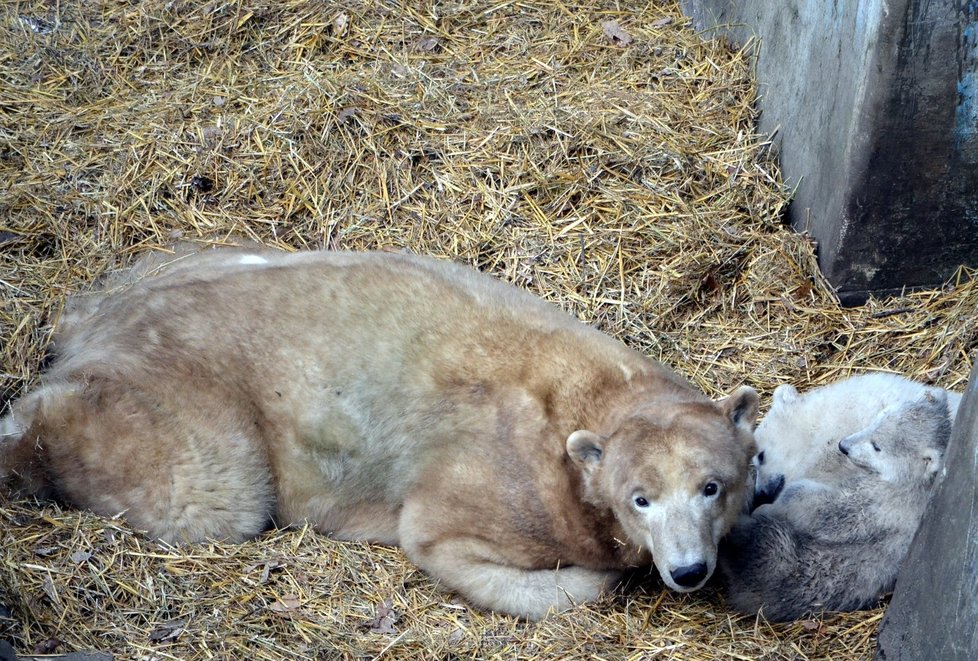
(519, 456)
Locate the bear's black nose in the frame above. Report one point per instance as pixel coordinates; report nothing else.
(769, 492)
(690, 575)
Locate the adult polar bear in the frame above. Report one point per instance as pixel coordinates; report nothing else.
(519, 456)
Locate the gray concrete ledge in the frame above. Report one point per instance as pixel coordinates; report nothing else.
(934, 610)
(873, 105)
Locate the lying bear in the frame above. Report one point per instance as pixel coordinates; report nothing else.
(517, 455)
(844, 474)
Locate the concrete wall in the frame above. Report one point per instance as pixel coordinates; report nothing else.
(874, 108)
(934, 611)
(874, 105)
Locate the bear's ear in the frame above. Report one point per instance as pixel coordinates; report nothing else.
(933, 459)
(741, 407)
(785, 394)
(585, 448)
(935, 399)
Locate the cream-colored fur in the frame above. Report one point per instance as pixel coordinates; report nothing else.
(799, 437)
(519, 456)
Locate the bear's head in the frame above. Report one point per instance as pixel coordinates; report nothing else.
(675, 478)
(791, 440)
(905, 443)
(799, 437)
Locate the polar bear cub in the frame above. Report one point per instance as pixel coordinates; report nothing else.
(844, 473)
(799, 435)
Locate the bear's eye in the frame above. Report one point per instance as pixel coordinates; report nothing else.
(875, 447)
(640, 501)
(711, 489)
(760, 457)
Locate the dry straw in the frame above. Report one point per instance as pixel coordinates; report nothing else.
(600, 154)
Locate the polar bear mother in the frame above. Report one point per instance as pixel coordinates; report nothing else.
(519, 456)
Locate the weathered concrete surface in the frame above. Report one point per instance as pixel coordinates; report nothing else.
(934, 610)
(875, 108)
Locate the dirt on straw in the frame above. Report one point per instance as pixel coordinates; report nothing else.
(599, 154)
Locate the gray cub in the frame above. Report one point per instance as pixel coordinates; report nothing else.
(834, 539)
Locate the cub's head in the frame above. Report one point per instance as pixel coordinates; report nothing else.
(905, 443)
(675, 478)
(798, 438)
(787, 442)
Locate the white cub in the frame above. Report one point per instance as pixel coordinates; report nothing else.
(799, 436)
(844, 473)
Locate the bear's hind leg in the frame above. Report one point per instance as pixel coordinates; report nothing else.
(185, 469)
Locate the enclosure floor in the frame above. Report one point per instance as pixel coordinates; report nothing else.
(600, 154)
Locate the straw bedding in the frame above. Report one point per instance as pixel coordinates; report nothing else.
(599, 154)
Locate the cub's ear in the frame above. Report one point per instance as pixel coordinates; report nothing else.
(933, 462)
(935, 402)
(785, 394)
(741, 407)
(585, 448)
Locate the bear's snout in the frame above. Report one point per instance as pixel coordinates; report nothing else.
(768, 492)
(691, 575)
